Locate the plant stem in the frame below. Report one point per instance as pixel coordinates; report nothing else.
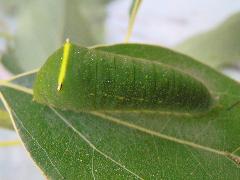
(133, 14)
(9, 143)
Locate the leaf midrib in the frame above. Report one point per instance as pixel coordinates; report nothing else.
(234, 158)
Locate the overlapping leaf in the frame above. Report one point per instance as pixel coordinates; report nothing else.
(136, 144)
(218, 47)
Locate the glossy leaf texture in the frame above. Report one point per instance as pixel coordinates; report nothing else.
(218, 47)
(137, 144)
(47, 24)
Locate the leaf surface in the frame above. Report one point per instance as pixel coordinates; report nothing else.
(135, 144)
(217, 47)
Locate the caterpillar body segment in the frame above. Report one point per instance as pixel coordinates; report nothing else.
(97, 80)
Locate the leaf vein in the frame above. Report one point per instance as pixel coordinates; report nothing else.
(163, 136)
(89, 143)
(37, 143)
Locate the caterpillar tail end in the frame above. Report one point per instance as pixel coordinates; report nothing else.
(59, 87)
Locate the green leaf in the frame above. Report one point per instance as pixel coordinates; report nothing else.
(43, 26)
(137, 144)
(218, 47)
(25, 80)
(5, 121)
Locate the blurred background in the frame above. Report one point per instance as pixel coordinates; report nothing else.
(30, 30)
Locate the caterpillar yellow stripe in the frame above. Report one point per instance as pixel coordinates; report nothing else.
(63, 69)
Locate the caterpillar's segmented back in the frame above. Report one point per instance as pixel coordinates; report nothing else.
(97, 80)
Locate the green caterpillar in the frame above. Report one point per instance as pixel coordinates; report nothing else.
(85, 79)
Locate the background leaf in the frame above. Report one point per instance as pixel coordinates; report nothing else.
(48, 24)
(25, 80)
(218, 47)
(5, 121)
(134, 144)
